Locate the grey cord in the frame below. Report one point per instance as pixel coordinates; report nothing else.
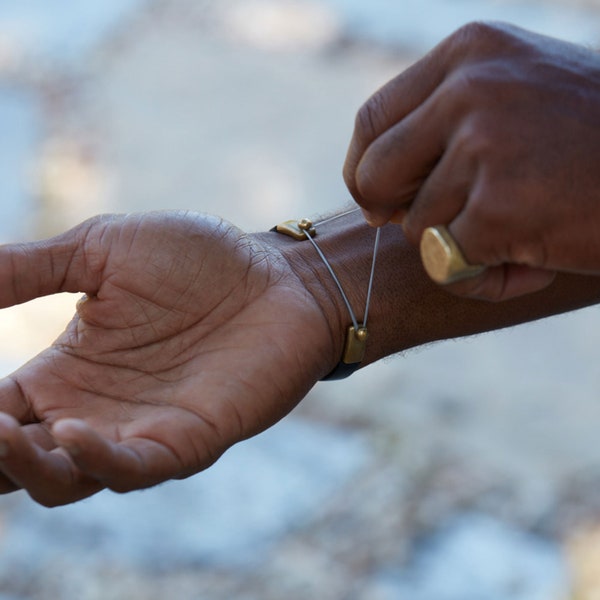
(337, 281)
(372, 276)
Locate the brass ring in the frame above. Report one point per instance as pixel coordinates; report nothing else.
(443, 259)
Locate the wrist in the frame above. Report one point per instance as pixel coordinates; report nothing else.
(347, 244)
(306, 273)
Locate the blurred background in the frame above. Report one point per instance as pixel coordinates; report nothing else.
(468, 470)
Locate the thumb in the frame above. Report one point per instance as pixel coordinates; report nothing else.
(70, 262)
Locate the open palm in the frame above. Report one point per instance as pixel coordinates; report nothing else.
(191, 337)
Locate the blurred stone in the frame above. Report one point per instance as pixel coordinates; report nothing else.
(11, 56)
(19, 124)
(190, 119)
(474, 557)
(418, 26)
(69, 185)
(46, 33)
(278, 25)
(231, 515)
(27, 329)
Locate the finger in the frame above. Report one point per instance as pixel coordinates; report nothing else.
(135, 463)
(502, 279)
(7, 486)
(70, 262)
(394, 167)
(38, 435)
(442, 195)
(14, 401)
(50, 478)
(503, 282)
(410, 89)
(389, 105)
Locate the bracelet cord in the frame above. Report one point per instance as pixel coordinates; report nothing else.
(339, 285)
(357, 334)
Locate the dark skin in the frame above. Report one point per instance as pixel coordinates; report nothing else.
(495, 133)
(193, 336)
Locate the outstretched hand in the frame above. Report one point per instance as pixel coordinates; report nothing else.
(190, 337)
(495, 133)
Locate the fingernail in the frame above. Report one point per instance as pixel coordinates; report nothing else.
(376, 220)
(82, 301)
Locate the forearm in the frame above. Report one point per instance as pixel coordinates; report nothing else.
(407, 309)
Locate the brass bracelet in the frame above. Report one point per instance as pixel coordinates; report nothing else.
(357, 333)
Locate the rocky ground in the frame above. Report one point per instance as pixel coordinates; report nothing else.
(467, 470)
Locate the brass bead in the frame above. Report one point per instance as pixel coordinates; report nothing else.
(356, 343)
(305, 224)
(362, 334)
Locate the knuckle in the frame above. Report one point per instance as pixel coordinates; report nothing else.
(474, 140)
(529, 252)
(476, 53)
(474, 85)
(491, 291)
(479, 35)
(489, 286)
(474, 90)
(472, 101)
(483, 213)
(477, 30)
